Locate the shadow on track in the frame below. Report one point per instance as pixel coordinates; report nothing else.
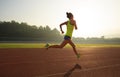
(76, 66)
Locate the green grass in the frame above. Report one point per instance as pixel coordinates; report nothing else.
(98, 45)
(21, 45)
(41, 45)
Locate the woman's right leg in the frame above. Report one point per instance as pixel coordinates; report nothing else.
(59, 46)
(73, 46)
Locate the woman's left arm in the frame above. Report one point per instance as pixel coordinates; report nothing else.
(75, 25)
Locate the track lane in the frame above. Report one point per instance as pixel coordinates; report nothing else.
(57, 62)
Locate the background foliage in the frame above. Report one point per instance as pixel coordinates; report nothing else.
(14, 31)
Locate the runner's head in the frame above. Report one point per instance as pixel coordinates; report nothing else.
(69, 15)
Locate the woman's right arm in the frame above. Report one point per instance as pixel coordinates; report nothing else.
(64, 23)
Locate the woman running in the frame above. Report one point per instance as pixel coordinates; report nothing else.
(71, 24)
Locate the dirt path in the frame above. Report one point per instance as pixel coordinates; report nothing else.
(94, 62)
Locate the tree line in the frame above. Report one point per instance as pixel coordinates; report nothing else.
(14, 31)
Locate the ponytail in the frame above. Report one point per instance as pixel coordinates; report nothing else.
(69, 15)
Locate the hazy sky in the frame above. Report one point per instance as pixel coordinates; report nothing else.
(95, 18)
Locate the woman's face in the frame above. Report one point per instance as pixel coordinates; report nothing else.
(71, 17)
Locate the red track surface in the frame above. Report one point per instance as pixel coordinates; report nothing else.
(94, 62)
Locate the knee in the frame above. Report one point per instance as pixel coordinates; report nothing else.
(61, 46)
(73, 46)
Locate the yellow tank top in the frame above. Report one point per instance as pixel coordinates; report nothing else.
(69, 29)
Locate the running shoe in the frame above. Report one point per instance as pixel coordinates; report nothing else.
(47, 46)
(78, 55)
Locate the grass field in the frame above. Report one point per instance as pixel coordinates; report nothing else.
(41, 45)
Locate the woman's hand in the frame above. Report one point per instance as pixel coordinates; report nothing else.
(62, 31)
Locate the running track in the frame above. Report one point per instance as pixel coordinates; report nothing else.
(94, 62)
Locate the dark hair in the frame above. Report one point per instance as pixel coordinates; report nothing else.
(69, 15)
